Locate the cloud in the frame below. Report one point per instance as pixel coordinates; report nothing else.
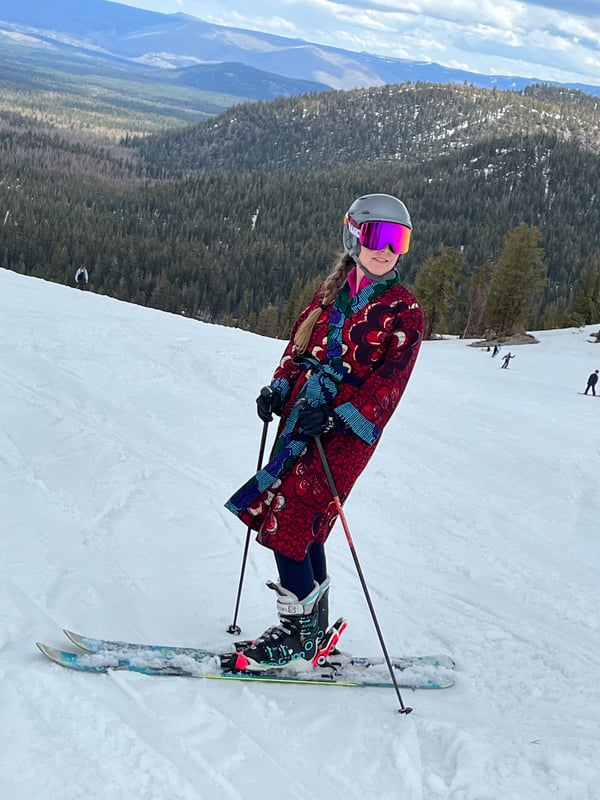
(554, 39)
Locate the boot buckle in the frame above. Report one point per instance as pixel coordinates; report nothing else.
(329, 643)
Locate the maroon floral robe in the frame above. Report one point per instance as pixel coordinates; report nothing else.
(360, 357)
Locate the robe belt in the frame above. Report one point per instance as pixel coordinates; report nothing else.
(339, 374)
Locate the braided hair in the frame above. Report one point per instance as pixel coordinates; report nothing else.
(328, 292)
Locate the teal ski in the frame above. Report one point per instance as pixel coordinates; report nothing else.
(107, 645)
(338, 669)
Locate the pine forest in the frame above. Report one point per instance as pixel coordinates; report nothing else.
(234, 219)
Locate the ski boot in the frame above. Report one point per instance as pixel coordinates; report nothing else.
(294, 642)
(323, 608)
(323, 614)
(328, 636)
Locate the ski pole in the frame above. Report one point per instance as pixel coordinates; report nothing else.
(234, 628)
(403, 709)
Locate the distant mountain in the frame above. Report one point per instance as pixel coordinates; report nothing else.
(337, 129)
(104, 29)
(242, 81)
(38, 50)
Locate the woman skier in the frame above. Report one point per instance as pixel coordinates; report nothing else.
(341, 376)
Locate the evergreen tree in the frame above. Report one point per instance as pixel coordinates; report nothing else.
(515, 278)
(555, 316)
(268, 322)
(292, 310)
(477, 299)
(435, 288)
(300, 297)
(586, 305)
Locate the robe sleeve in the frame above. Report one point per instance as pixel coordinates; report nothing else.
(374, 402)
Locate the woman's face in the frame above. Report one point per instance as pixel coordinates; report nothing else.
(378, 261)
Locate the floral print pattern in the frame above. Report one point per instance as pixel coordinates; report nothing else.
(361, 354)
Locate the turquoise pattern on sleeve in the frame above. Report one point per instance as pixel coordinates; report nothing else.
(358, 424)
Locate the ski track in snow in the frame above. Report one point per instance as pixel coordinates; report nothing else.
(122, 433)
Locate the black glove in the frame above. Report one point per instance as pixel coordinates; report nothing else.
(268, 402)
(315, 420)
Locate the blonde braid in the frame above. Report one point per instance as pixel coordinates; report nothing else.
(329, 291)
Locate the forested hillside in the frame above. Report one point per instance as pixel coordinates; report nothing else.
(236, 224)
(404, 123)
(101, 95)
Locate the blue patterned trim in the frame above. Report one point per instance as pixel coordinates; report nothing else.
(283, 386)
(322, 384)
(358, 424)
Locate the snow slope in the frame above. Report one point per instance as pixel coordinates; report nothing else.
(122, 432)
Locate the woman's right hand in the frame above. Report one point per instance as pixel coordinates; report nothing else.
(268, 403)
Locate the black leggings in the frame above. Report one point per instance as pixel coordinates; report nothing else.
(299, 576)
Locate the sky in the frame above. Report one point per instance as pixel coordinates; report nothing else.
(556, 40)
(123, 430)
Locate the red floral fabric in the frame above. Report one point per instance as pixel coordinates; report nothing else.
(380, 344)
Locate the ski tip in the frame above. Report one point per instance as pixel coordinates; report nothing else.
(82, 642)
(74, 637)
(49, 652)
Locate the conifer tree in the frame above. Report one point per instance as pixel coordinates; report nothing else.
(300, 297)
(555, 316)
(268, 322)
(292, 309)
(435, 288)
(516, 276)
(586, 305)
(477, 299)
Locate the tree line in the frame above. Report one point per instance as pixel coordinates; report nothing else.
(247, 247)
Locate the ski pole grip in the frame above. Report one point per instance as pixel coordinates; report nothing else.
(266, 392)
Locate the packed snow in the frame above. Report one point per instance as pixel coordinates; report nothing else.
(123, 430)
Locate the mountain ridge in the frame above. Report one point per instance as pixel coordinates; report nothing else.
(169, 41)
(403, 123)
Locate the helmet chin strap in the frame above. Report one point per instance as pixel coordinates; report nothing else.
(372, 276)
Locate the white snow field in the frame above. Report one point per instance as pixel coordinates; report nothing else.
(123, 430)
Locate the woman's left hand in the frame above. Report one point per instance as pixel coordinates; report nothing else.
(316, 420)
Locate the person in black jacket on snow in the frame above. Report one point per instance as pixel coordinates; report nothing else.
(81, 276)
(591, 383)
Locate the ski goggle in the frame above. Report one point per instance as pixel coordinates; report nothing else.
(376, 235)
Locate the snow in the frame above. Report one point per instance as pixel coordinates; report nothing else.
(123, 430)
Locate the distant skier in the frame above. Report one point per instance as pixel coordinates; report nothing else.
(81, 276)
(591, 383)
(495, 351)
(506, 360)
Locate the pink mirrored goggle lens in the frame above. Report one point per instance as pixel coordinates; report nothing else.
(376, 235)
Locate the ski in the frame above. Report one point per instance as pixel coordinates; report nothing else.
(330, 673)
(91, 645)
(338, 669)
